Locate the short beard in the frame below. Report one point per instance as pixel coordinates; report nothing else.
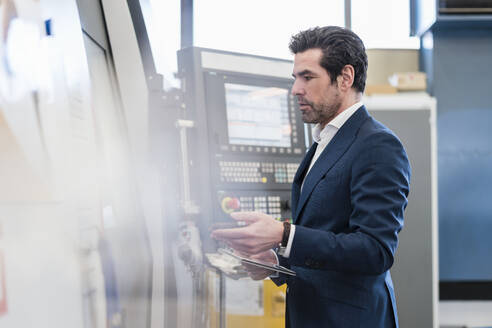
(323, 113)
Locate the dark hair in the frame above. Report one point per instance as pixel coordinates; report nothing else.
(340, 47)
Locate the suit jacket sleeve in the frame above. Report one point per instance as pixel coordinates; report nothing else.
(379, 185)
(282, 278)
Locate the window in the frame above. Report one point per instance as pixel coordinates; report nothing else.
(264, 27)
(383, 23)
(162, 20)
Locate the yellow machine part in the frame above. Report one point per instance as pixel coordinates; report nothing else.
(273, 307)
(274, 310)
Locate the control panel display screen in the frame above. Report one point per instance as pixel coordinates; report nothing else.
(258, 116)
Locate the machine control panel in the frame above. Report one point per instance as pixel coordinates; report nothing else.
(257, 172)
(251, 130)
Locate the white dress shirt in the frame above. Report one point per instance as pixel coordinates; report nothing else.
(323, 137)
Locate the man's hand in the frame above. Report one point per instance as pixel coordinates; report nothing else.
(257, 273)
(261, 233)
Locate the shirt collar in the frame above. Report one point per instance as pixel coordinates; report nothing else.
(337, 122)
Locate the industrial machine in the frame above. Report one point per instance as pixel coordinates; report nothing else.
(75, 232)
(242, 140)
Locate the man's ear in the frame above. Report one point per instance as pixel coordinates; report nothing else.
(346, 78)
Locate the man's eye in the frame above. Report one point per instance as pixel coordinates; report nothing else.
(307, 78)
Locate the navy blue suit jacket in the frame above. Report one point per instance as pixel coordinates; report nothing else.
(347, 219)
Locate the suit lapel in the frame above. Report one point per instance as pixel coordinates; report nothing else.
(299, 177)
(330, 155)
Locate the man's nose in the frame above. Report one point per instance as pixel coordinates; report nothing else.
(297, 89)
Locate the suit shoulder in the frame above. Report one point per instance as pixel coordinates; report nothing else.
(375, 131)
(377, 144)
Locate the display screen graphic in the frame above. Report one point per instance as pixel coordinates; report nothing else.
(257, 116)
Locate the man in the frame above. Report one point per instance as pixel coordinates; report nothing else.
(348, 196)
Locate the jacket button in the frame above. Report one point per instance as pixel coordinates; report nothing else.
(309, 262)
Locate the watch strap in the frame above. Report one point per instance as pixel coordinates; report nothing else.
(286, 234)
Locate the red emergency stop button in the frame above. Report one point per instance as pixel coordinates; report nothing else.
(230, 204)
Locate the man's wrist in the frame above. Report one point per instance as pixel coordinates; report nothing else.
(285, 238)
(285, 235)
